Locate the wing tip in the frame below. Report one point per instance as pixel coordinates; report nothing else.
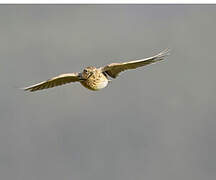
(27, 89)
(162, 54)
(165, 52)
(32, 88)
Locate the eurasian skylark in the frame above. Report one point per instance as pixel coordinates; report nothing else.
(97, 78)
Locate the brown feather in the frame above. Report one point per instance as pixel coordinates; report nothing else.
(115, 68)
(56, 81)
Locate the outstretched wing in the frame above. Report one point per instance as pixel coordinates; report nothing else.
(115, 68)
(56, 81)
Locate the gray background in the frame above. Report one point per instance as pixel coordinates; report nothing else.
(157, 122)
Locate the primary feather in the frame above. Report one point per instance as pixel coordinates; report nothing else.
(114, 69)
(56, 81)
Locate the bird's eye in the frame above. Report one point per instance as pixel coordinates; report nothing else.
(85, 71)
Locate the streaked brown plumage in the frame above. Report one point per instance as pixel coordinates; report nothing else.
(96, 78)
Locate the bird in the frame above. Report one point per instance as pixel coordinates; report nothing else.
(94, 78)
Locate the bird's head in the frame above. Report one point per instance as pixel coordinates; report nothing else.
(88, 72)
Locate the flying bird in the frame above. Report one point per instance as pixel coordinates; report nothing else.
(96, 78)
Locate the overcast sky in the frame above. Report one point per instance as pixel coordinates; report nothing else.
(156, 122)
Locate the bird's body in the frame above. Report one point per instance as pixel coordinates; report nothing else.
(96, 78)
(96, 81)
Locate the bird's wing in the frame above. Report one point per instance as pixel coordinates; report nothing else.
(115, 68)
(56, 81)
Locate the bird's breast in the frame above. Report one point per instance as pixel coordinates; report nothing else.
(100, 85)
(95, 82)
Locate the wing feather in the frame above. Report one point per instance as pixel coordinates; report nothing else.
(115, 68)
(56, 81)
